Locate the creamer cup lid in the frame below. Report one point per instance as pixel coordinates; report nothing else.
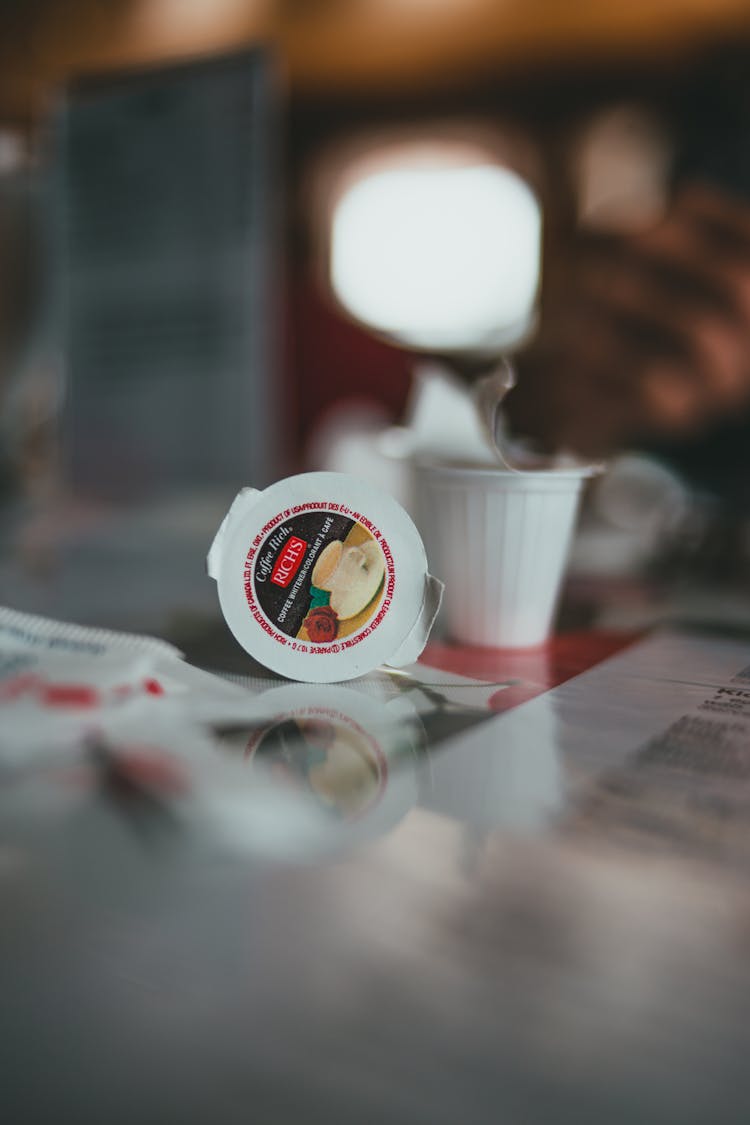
(322, 577)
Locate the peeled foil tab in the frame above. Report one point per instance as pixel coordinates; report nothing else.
(322, 577)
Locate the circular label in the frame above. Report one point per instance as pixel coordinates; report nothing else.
(319, 577)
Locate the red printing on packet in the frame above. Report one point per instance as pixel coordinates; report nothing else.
(77, 696)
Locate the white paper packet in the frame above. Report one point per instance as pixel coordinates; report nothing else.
(61, 684)
(137, 717)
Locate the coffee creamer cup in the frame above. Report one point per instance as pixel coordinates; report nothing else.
(502, 538)
(322, 577)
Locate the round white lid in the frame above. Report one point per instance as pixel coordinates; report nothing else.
(265, 552)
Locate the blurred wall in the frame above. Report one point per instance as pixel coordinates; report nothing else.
(347, 45)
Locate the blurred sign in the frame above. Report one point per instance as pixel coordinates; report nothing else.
(166, 192)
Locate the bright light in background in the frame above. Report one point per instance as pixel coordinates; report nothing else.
(440, 256)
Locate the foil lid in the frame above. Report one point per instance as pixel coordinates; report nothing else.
(322, 578)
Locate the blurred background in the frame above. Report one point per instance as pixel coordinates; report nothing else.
(243, 238)
(173, 319)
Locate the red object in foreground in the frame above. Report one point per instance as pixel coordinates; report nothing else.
(536, 670)
(147, 770)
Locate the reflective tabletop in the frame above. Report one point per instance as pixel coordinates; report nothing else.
(490, 887)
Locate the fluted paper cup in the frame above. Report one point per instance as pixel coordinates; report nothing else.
(500, 542)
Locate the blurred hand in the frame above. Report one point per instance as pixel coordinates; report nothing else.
(643, 336)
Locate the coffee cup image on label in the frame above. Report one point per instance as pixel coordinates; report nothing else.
(352, 575)
(323, 566)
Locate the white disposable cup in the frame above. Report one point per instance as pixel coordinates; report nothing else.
(500, 541)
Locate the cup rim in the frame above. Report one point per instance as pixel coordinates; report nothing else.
(459, 470)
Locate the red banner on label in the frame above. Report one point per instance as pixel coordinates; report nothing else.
(287, 564)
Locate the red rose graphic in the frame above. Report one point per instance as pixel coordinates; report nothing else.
(322, 624)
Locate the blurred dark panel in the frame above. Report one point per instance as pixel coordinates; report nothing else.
(166, 205)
